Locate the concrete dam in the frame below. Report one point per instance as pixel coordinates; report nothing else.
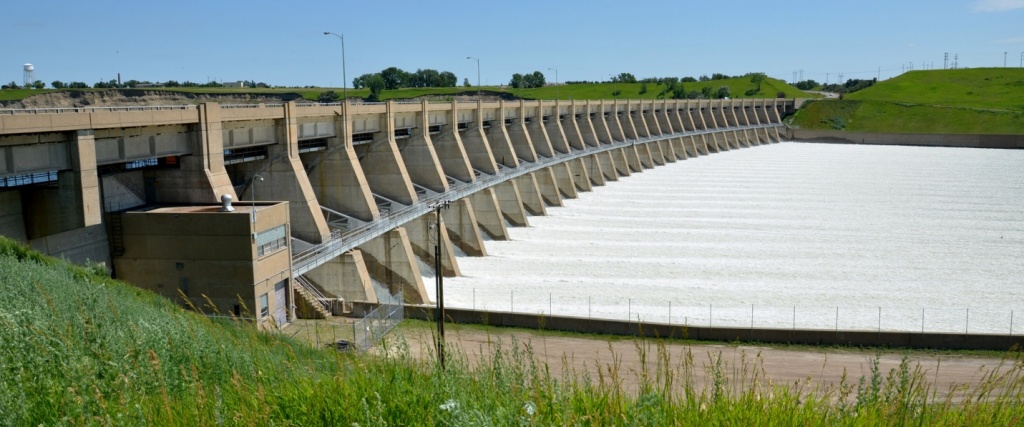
(273, 211)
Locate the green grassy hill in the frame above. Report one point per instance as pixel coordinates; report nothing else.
(977, 101)
(984, 88)
(77, 348)
(738, 87)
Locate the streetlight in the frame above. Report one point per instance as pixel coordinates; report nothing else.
(556, 81)
(477, 73)
(254, 178)
(344, 78)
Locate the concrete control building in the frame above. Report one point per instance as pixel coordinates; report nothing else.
(334, 202)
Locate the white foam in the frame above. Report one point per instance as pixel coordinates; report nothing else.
(810, 226)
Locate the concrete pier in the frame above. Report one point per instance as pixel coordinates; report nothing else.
(361, 180)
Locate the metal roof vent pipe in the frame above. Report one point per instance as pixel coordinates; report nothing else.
(225, 201)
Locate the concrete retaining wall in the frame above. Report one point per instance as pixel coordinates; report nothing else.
(921, 139)
(780, 336)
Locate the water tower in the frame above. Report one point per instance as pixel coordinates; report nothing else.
(30, 74)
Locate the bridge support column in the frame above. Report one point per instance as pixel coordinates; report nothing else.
(511, 203)
(463, 231)
(345, 277)
(668, 150)
(337, 176)
(530, 193)
(547, 186)
(284, 178)
(390, 260)
(562, 174)
(422, 237)
(201, 177)
(635, 160)
(613, 164)
(65, 221)
(658, 156)
(488, 214)
(586, 172)
(678, 148)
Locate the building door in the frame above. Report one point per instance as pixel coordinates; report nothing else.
(281, 303)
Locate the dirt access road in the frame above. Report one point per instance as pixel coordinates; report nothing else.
(799, 366)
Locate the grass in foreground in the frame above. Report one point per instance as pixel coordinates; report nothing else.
(79, 348)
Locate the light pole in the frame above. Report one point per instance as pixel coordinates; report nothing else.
(477, 73)
(556, 81)
(344, 78)
(254, 178)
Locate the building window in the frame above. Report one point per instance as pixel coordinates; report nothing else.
(270, 241)
(264, 306)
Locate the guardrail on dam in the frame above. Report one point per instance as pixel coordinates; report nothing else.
(359, 180)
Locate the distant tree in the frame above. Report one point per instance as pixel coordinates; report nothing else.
(327, 97)
(394, 78)
(12, 85)
(688, 80)
(534, 79)
(517, 81)
(706, 92)
(616, 92)
(678, 92)
(362, 81)
(172, 83)
(693, 95)
(643, 88)
(806, 84)
(719, 76)
(757, 78)
(465, 82)
(447, 79)
(38, 84)
(377, 85)
(624, 78)
(131, 83)
(705, 78)
(77, 85)
(723, 92)
(57, 84)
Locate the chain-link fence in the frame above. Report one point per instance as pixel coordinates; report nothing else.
(369, 330)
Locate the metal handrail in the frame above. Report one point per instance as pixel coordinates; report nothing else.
(60, 110)
(403, 214)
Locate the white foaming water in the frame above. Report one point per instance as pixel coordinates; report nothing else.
(815, 236)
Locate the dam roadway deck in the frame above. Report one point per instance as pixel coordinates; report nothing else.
(359, 180)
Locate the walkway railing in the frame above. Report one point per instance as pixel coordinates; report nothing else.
(401, 214)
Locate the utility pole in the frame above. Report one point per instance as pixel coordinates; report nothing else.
(956, 61)
(945, 61)
(840, 79)
(439, 282)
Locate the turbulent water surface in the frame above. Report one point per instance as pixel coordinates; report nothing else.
(787, 235)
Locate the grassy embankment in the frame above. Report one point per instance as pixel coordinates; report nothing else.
(738, 87)
(982, 101)
(80, 348)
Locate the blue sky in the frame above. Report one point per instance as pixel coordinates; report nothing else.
(282, 43)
